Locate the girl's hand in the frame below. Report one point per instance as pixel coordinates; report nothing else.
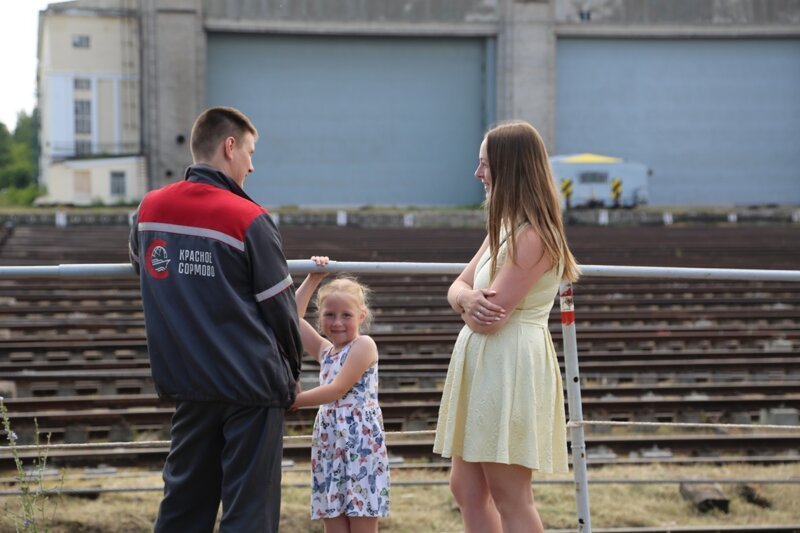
(294, 407)
(321, 261)
(476, 304)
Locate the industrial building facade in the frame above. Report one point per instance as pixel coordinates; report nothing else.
(89, 98)
(384, 102)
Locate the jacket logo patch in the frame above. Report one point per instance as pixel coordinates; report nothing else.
(157, 259)
(196, 263)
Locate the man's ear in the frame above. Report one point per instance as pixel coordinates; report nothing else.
(227, 147)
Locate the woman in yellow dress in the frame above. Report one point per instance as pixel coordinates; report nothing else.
(502, 411)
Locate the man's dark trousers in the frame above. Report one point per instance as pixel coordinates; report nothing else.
(228, 452)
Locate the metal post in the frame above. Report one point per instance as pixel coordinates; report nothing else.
(575, 408)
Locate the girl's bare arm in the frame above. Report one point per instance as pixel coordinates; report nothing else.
(313, 342)
(363, 354)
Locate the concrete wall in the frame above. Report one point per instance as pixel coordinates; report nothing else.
(173, 84)
(709, 13)
(174, 53)
(355, 11)
(526, 66)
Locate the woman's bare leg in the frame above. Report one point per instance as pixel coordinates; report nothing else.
(471, 491)
(510, 487)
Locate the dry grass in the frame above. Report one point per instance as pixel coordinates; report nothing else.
(422, 509)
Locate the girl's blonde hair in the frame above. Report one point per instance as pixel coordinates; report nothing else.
(523, 190)
(351, 288)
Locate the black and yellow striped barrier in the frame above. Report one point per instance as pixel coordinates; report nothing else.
(616, 191)
(566, 190)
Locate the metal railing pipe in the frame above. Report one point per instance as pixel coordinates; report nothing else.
(303, 266)
(296, 266)
(88, 270)
(611, 271)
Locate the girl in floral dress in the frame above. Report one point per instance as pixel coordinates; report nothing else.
(349, 465)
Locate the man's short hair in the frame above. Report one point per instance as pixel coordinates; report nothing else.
(213, 126)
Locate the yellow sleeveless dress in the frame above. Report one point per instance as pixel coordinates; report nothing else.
(503, 401)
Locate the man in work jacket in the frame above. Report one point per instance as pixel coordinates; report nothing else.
(222, 333)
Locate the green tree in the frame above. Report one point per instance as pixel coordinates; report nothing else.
(27, 133)
(18, 172)
(19, 160)
(6, 141)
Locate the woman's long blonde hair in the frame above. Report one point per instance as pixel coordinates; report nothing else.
(523, 190)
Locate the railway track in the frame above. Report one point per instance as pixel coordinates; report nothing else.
(75, 350)
(442, 336)
(92, 417)
(686, 449)
(146, 416)
(54, 378)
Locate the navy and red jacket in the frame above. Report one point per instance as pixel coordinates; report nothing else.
(218, 299)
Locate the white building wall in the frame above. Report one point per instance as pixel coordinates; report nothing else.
(89, 181)
(110, 66)
(58, 117)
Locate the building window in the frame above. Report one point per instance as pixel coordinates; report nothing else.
(593, 177)
(80, 41)
(83, 116)
(83, 147)
(83, 84)
(117, 183)
(83, 182)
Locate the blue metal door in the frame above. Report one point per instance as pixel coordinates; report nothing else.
(353, 121)
(718, 121)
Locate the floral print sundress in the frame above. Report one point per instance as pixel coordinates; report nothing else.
(349, 464)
